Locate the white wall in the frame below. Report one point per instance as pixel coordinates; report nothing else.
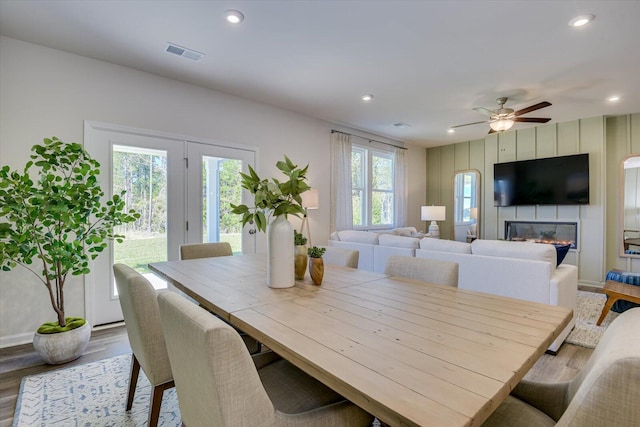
(45, 92)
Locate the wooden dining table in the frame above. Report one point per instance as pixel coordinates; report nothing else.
(411, 353)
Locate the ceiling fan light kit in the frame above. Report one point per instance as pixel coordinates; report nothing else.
(501, 125)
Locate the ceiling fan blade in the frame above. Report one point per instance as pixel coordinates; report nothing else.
(483, 111)
(468, 124)
(532, 108)
(491, 131)
(531, 119)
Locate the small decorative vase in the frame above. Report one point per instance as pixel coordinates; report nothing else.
(300, 261)
(316, 270)
(64, 346)
(280, 262)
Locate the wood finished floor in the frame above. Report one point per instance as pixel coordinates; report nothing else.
(19, 361)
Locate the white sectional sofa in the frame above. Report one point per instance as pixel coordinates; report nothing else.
(520, 270)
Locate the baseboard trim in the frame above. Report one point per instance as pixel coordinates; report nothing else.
(18, 339)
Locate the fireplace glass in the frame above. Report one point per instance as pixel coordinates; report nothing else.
(554, 232)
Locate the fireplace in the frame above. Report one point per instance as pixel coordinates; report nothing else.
(555, 232)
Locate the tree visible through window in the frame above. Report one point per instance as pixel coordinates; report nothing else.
(372, 188)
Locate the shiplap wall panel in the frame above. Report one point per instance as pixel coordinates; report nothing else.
(546, 141)
(477, 162)
(446, 193)
(592, 231)
(461, 157)
(489, 221)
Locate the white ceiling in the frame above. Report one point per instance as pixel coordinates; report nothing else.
(427, 63)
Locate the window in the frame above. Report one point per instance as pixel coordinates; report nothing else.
(372, 188)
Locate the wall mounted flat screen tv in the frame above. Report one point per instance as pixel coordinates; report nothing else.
(560, 180)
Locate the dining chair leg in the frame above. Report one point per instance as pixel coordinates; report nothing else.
(156, 402)
(133, 380)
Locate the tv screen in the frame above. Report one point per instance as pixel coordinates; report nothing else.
(552, 181)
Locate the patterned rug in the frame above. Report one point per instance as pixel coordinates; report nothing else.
(94, 394)
(589, 307)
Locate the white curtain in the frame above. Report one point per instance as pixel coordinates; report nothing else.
(400, 187)
(342, 212)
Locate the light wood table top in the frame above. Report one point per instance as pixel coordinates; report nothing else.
(409, 352)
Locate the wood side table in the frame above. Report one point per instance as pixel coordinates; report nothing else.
(615, 291)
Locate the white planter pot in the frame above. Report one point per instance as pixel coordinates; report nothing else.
(64, 346)
(280, 250)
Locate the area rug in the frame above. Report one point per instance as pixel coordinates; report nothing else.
(94, 394)
(589, 307)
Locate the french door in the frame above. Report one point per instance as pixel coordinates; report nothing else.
(182, 190)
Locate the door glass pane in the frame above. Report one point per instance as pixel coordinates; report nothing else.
(221, 186)
(142, 173)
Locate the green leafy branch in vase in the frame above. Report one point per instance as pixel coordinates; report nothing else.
(272, 197)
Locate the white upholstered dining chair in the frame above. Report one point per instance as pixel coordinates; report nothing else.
(606, 392)
(220, 384)
(341, 256)
(427, 270)
(139, 303)
(210, 250)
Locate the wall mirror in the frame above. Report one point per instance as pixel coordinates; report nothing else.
(466, 200)
(630, 209)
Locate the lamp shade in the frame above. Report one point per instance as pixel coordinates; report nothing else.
(474, 213)
(311, 199)
(433, 213)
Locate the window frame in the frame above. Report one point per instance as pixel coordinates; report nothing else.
(367, 189)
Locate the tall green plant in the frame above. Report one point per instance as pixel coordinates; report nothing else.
(272, 197)
(58, 220)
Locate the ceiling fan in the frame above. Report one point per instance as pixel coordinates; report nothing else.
(503, 118)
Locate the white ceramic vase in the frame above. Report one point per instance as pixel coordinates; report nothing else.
(280, 250)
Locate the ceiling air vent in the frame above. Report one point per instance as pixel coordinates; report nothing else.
(401, 125)
(184, 52)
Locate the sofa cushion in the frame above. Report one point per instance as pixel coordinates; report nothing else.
(521, 250)
(356, 236)
(445, 245)
(398, 241)
(405, 231)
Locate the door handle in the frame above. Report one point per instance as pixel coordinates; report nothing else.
(252, 231)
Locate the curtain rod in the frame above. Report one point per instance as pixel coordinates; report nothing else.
(368, 139)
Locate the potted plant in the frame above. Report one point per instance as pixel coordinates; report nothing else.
(316, 264)
(58, 222)
(273, 202)
(300, 243)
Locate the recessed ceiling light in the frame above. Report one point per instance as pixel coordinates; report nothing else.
(368, 97)
(451, 131)
(234, 16)
(613, 98)
(581, 20)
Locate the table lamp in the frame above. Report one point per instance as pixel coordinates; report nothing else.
(310, 200)
(474, 222)
(433, 214)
